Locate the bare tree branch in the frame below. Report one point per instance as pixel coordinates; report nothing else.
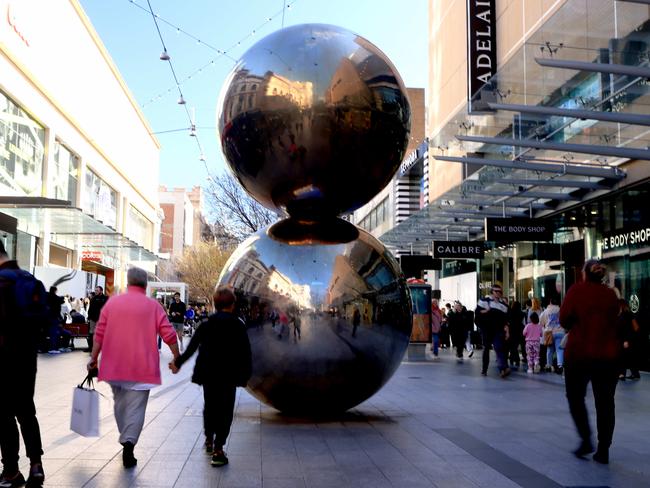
(236, 211)
(200, 267)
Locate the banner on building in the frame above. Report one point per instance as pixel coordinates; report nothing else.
(481, 51)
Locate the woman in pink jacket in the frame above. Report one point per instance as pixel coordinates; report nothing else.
(126, 334)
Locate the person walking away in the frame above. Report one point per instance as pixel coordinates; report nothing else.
(631, 342)
(550, 320)
(436, 321)
(457, 321)
(593, 349)
(536, 307)
(97, 302)
(126, 338)
(223, 363)
(444, 327)
(532, 335)
(177, 317)
(516, 328)
(491, 317)
(24, 314)
(54, 303)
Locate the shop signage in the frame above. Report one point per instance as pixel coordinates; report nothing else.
(87, 255)
(409, 161)
(481, 44)
(626, 238)
(13, 23)
(458, 249)
(518, 229)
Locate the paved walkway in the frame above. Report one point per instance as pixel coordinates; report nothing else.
(435, 424)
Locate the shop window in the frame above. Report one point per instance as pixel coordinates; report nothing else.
(99, 200)
(59, 256)
(64, 173)
(139, 228)
(22, 142)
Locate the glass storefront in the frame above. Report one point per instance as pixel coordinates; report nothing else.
(99, 200)
(22, 143)
(139, 228)
(65, 173)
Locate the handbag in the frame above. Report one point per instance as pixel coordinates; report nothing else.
(548, 337)
(84, 418)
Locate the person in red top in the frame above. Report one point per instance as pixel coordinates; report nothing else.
(593, 349)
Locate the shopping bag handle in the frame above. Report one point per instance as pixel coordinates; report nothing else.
(87, 380)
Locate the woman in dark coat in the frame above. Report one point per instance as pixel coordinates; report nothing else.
(516, 329)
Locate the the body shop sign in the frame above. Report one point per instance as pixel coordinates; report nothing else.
(481, 46)
(626, 239)
(518, 229)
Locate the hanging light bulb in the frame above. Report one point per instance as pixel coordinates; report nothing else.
(202, 158)
(181, 101)
(164, 56)
(193, 130)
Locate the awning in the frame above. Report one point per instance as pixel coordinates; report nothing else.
(70, 227)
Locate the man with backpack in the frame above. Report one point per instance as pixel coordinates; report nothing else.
(23, 314)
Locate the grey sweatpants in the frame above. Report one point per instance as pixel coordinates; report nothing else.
(129, 409)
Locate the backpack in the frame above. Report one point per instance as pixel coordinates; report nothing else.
(26, 306)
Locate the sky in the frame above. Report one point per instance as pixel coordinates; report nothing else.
(201, 27)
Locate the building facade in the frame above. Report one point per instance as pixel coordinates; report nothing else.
(177, 231)
(403, 196)
(537, 111)
(78, 164)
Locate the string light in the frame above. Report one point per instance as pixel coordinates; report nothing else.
(221, 53)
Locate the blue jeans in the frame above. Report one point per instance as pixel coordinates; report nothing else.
(435, 343)
(555, 347)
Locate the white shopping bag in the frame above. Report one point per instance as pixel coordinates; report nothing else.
(84, 419)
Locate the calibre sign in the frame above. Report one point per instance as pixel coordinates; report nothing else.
(481, 44)
(458, 249)
(518, 229)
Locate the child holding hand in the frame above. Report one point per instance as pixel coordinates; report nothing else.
(533, 335)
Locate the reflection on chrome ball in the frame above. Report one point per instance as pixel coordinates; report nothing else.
(328, 323)
(314, 120)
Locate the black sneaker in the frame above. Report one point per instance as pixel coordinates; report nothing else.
(219, 459)
(128, 459)
(36, 476)
(209, 448)
(601, 457)
(14, 482)
(584, 449)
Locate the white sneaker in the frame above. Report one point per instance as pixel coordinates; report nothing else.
(54, 351)
(530, 371)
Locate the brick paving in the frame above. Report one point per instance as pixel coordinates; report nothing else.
(435, 424)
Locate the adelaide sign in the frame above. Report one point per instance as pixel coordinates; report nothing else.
(481, 45)
(458, 249)
(518, 229)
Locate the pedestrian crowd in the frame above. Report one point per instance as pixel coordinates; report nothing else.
(592, 337)
(123, 352)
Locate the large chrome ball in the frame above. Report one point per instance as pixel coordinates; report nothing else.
(328, 323)
(314, 120)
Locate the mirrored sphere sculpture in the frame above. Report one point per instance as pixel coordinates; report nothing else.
(314, 121)
(328, 323)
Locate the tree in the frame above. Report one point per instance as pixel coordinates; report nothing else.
(200, 267)
(235, 210)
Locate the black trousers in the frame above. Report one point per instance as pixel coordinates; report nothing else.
(218, 412)
(459, 340)
(18, 404)
(604, 378)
